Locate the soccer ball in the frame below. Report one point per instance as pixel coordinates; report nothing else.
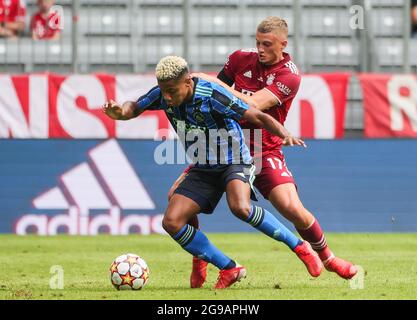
(129, 272)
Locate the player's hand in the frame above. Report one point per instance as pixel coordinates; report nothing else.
(293, 141)
(112, 109)
(205, 76)
(175, 185)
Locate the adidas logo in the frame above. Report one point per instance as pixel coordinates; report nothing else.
(248, 74)
(107, 182)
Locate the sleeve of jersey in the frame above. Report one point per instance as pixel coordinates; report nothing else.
(285, 87)
(229, 68)
(149, 101)
(227, 104)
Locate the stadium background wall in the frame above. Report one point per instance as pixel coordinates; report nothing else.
(92, 186)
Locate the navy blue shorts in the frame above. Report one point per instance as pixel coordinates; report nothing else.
(206, 186)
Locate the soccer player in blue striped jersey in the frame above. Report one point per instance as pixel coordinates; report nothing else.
(222, 160)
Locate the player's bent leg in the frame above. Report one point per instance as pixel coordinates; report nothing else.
(238, 198)
(180, 210)
(285, 199)
(199, 266)
(237, 193)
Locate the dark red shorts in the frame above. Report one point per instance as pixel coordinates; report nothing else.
(274, 172)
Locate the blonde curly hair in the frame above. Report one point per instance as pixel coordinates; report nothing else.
(171, 68)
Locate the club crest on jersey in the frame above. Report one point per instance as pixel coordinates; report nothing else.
(198, 116)
(270, 79)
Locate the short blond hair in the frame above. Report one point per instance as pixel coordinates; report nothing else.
(171, 68)
(273, 24)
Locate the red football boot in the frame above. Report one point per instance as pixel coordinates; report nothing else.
(343, 268)
(228, 277)
(309, 257)
(199, 273)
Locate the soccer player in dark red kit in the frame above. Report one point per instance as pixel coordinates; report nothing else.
(268, 78)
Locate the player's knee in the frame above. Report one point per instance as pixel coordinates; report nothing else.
(170, 225)
(241, 210)
(292, 209)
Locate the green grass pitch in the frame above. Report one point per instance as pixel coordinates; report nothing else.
(389, 262)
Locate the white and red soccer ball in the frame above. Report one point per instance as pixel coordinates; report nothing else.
(129, 272)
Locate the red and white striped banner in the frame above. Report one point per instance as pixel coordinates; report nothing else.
(46, 106)
(390, 105)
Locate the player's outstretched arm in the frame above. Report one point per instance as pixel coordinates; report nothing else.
(124, 112)
(245, 98)
(262, 119)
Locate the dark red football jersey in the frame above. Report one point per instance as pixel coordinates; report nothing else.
(282, 80)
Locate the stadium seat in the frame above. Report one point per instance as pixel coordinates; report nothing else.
(27, 53)
(152, 49)
(215, 3)
(387, 3)
(10, 51)
(252, 17)
(93, 22)
(413, 52)
(54, 52)
(387, 22)
(326, 22)
(159, 3)
(139, 32)
(354, 110)
(59, 2)
(104, 3)
(390, 52)
(326, 3)
(212, 50)
(53, 68)
(328, 52)
(160, 22)
(103, 51)
(219, 22)
(267, 3)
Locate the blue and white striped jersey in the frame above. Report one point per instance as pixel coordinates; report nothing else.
(208, 124)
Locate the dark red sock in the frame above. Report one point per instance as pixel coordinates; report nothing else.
(315, 236)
